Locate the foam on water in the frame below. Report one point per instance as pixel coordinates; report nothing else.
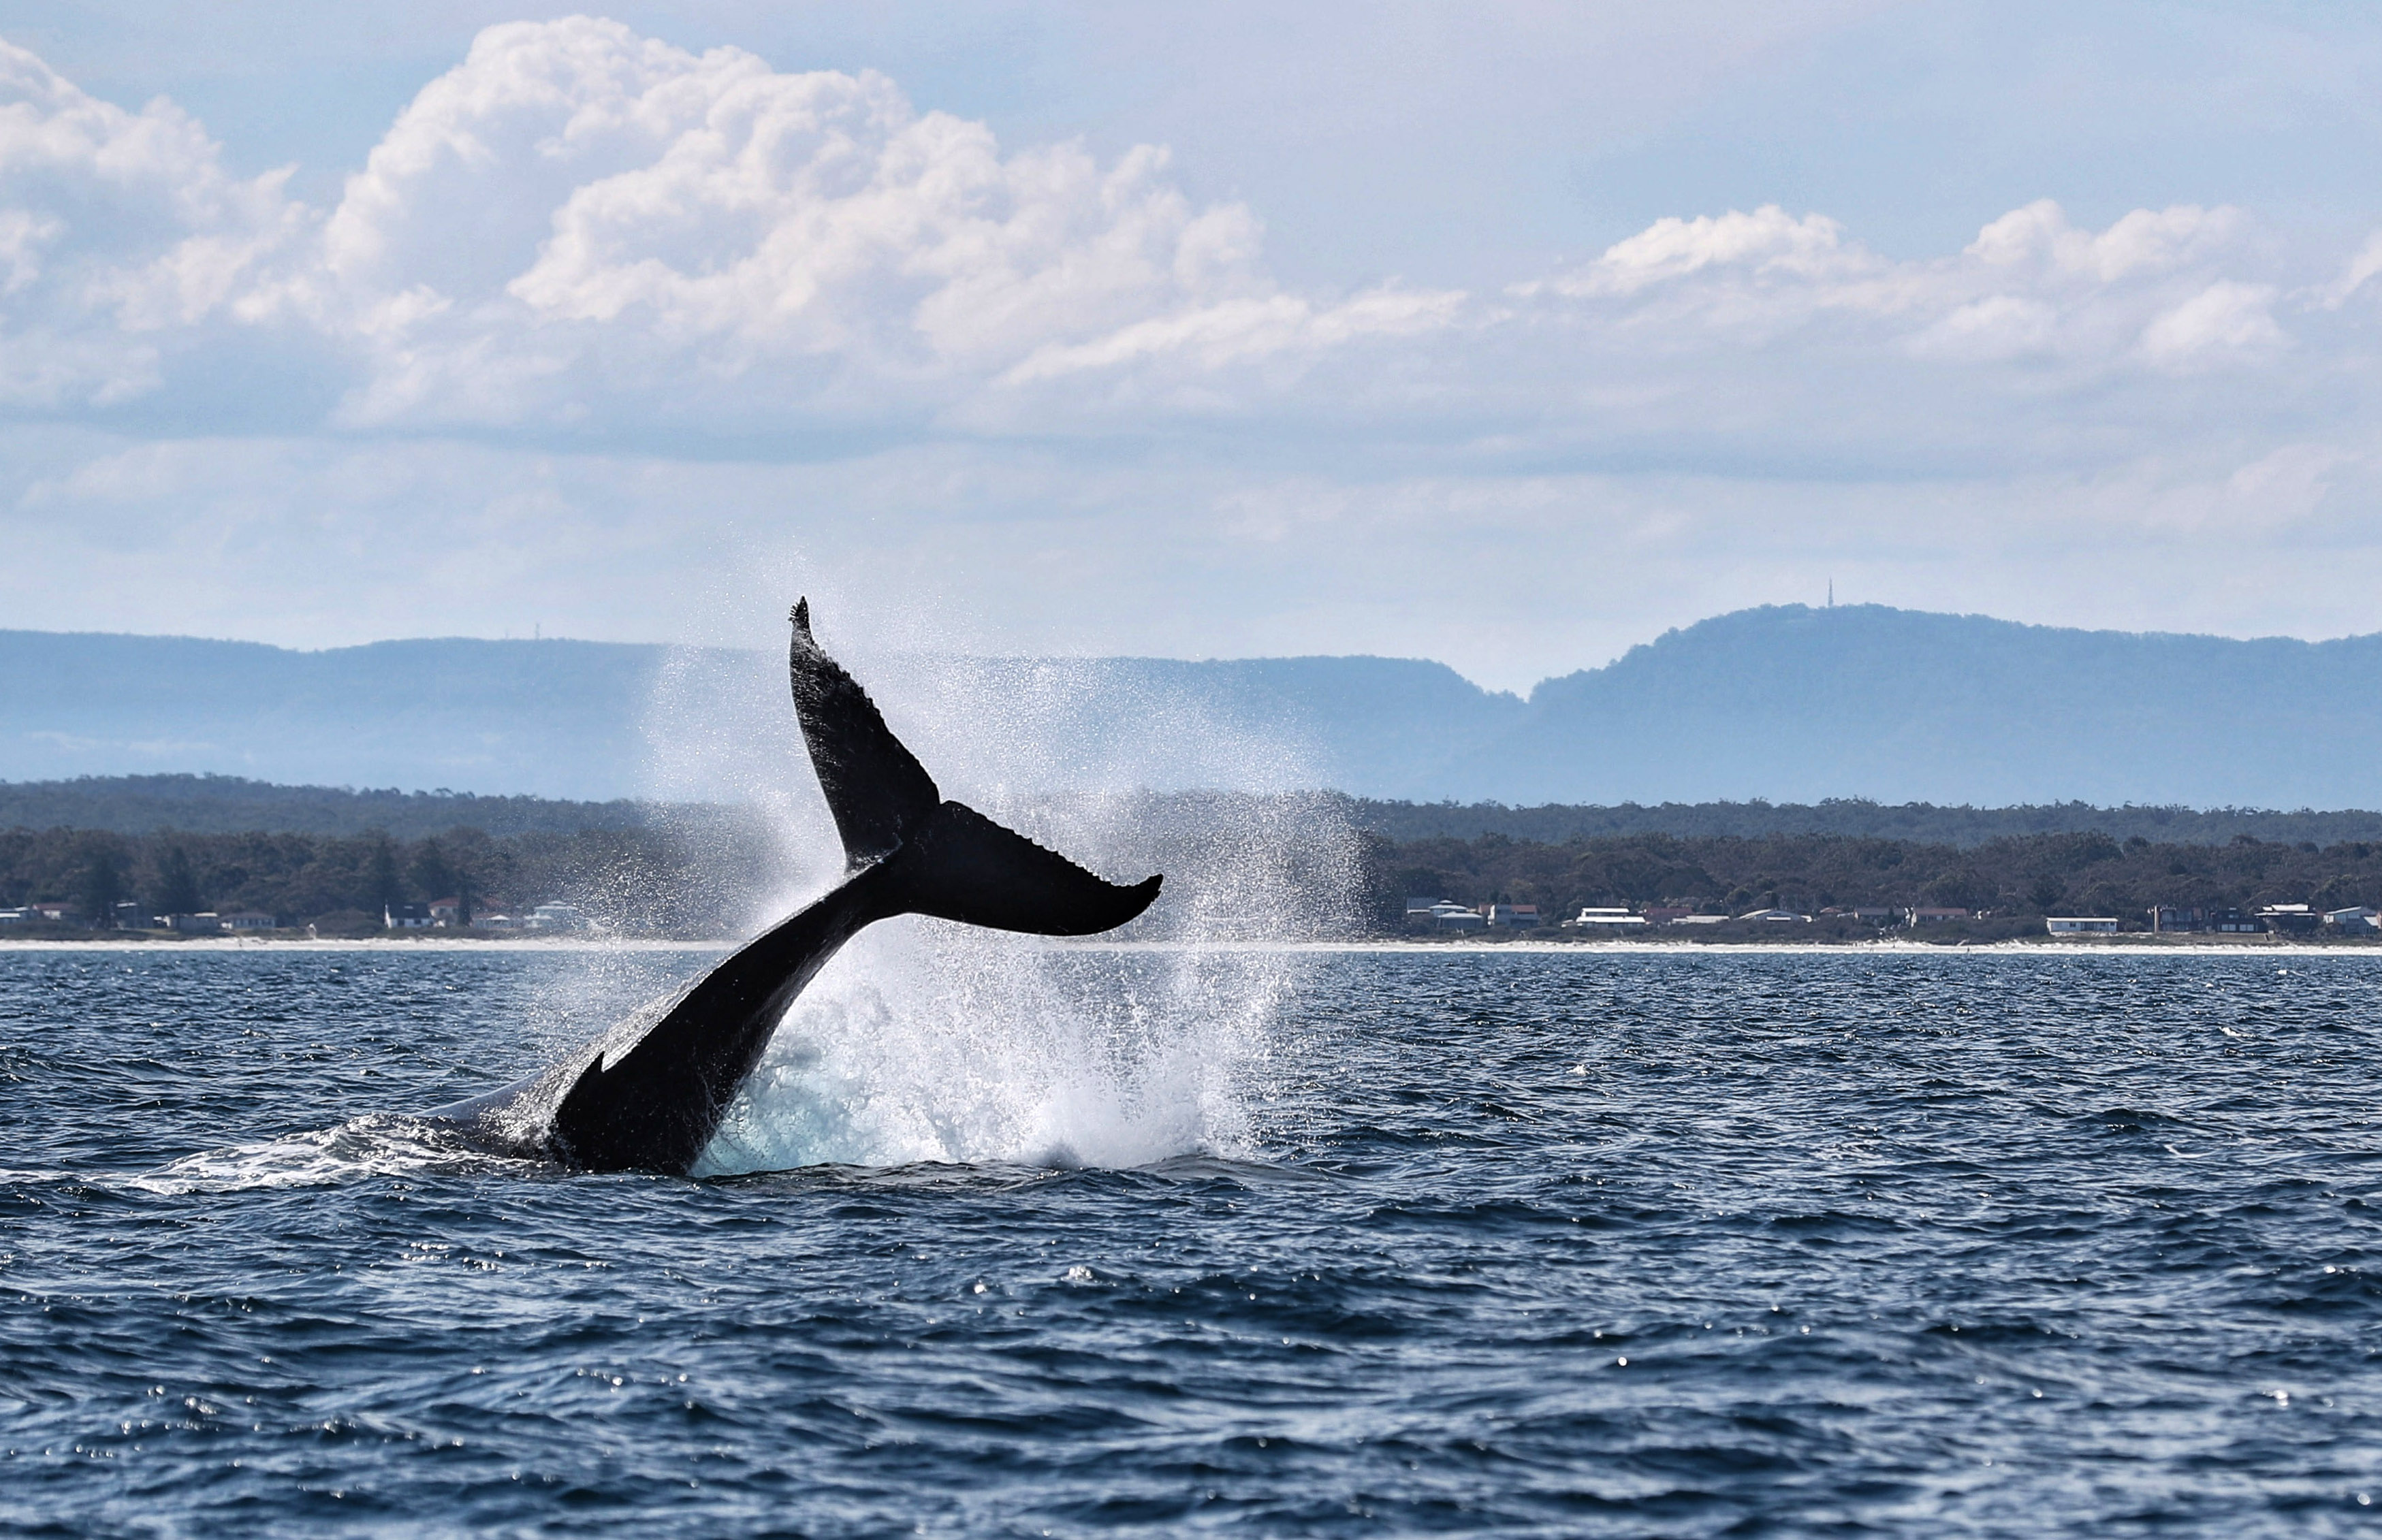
(929, 1042)
(379, 1145)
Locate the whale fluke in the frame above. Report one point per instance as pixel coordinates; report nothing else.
(653, 1104)
(879, 793)
(964, 866)
(952, 862)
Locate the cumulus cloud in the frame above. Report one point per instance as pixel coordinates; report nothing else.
(700, 228)
(119, 233)
(578, 229)
(2031, 286)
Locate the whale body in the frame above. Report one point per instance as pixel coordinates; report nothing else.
(650, 1096)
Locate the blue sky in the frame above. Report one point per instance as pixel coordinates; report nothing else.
(1505, 335)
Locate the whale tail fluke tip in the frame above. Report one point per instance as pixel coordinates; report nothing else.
(964, 866)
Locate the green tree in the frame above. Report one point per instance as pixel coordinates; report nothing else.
(381, 885)
(178, 886)
(101, 885)
(432, 874)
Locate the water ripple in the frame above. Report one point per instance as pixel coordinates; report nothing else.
(1540, 1243)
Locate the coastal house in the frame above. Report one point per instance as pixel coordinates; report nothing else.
(246, 920)
(2168, 918)
(1664, 914)
(1934, 915)
(445, 912)
(2356, 919)
(557, 917)
(1777, 917)
(1448, 915)
(208, 923)
(56, 915)
(406, 917)
(494, 922)
(1512, 916)
(2081, 924)
(14, 916)
(1701, 920)
(2290, 919)
(2232, 922)
(1608, 922)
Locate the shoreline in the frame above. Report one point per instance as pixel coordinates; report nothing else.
(1897, 946)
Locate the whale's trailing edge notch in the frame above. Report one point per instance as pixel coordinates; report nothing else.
(654, 1103)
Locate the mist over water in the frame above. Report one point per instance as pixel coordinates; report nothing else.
(927, 1041)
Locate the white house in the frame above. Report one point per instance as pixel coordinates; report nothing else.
(557, 917)
(1613, 921)
(2079, 924)
(1449, 916)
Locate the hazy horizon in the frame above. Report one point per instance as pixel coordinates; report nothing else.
(1523, 694)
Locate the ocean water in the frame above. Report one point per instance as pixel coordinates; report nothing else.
(1136, 1242)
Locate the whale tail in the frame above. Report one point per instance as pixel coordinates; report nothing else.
(941, 859)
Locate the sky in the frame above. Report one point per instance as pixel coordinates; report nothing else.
(1507, 336)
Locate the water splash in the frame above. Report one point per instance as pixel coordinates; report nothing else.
(931, 1042)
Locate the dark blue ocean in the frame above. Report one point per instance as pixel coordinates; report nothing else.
(1573, 1243)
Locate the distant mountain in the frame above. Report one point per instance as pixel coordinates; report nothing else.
(1788, 703)
(559, 719)
(1794, 703)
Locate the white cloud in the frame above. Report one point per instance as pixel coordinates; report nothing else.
(1998, 327)
(579, 228)
(758, 291)
(574, 215)
(2143, 242)
(2031, 286)
(2353, 277)
(116, 230)
(2227, 319)
(1767, 243)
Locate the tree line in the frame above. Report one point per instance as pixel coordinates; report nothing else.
(648, 880)
(1922, 823)
(226, 804)
(2023, 877)
(700, 880)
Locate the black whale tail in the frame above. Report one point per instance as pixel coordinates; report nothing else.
(939, 859)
